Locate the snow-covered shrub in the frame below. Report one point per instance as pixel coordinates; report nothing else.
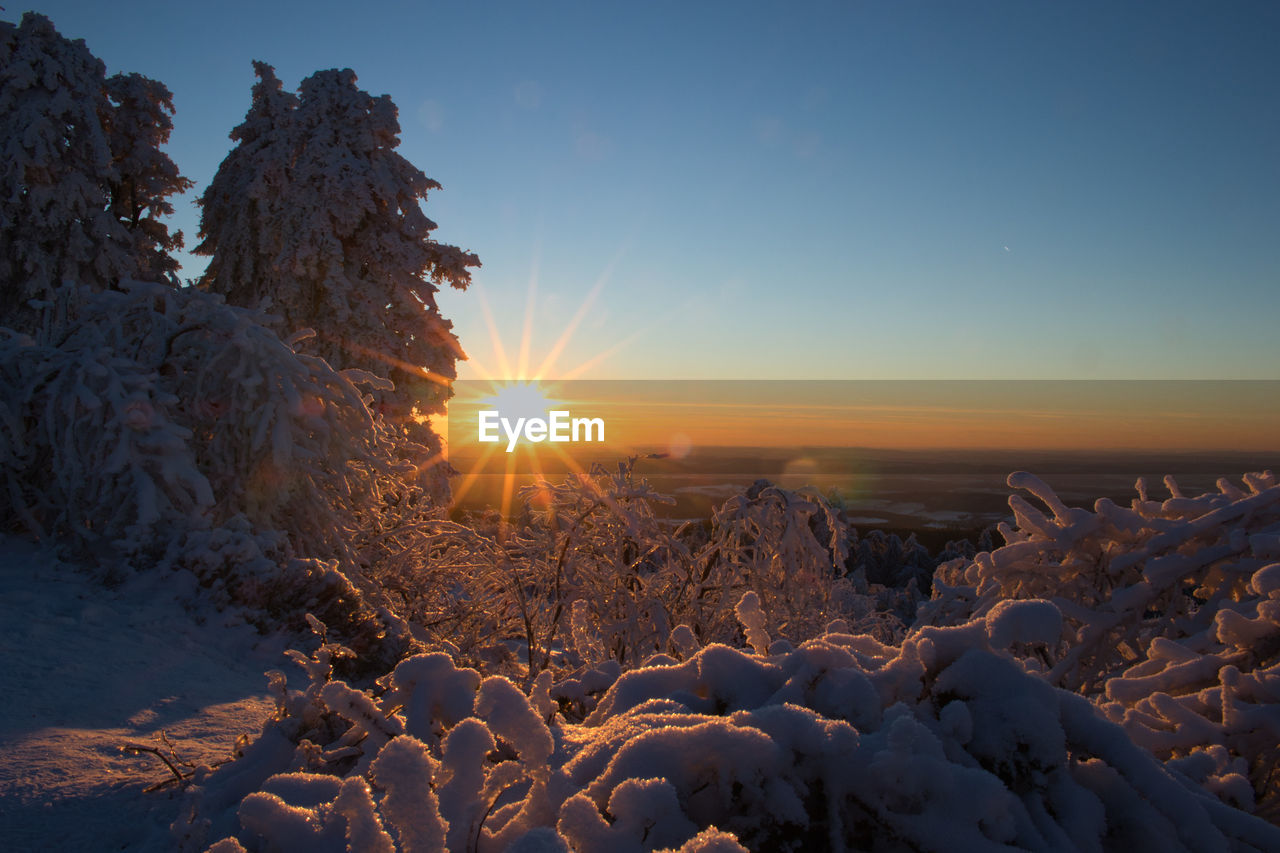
(637, 578)
(790, 549)
(961, 735)
(160, 425)
(945, 742)
(1170, 616)
(236, 565)
(609, 570)
(159, 410)
(91, 451)
(451, 582)
(593, 575)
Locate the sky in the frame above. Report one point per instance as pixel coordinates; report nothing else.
(859, 190)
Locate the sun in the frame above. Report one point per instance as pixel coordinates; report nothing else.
(518, 402)
(527, 399)
(519, 385)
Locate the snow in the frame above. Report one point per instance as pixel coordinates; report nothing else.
(753, 621)
(1266, 581)
(87, 670)
(1031, 620)
(404, 770)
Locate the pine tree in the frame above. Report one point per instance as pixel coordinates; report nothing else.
(82, 177)
(243, 207)
(138, 124)
(315, 217)
(55, 169)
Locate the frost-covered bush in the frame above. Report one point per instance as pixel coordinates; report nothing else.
(788, 547)
(1170, 614)
(236, 566)
(967, 733)
(945, 742)
(158, 410)
(592, 575)
(608, 569)
(160, 426)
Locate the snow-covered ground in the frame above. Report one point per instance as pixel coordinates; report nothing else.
(85, 670)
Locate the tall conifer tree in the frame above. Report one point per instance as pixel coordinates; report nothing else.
(315, 217)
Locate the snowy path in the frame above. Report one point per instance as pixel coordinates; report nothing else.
(86, 669)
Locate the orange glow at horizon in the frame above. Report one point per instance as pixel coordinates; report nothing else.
(679, 418)
(644, 416)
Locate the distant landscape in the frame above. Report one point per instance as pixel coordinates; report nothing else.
(936, 494)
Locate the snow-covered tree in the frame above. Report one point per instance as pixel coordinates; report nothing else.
(138, 123)
(55, 169)
(243, 204)
(315, 217)
(82, 178)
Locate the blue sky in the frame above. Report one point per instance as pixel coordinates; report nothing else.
(808, 190)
